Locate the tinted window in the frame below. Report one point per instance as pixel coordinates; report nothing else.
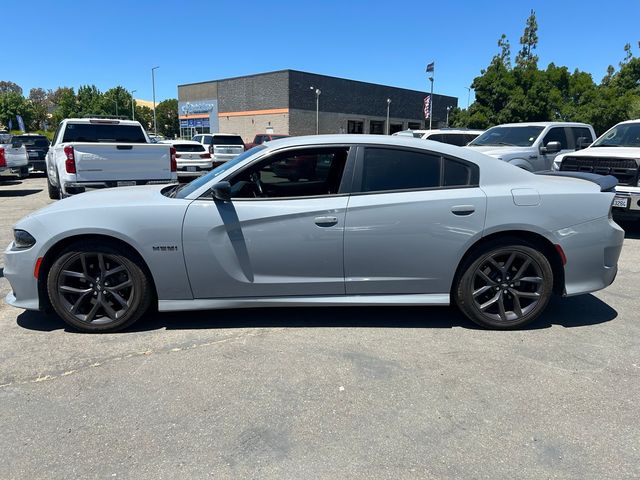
(454, 139)
(391, 169)
(207, 140)
(581, 132)
(298, 173)
(227, 140)
(188, 147)
(95, 132)
(30, 141)
(456, 173)
(376, 127)
(197, 138)
(436, 137)
(523, 136)
(557, 134)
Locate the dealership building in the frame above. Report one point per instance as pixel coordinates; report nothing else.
(297, 103)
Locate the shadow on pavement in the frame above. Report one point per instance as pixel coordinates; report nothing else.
(568, 312)
(631, 229)
(18, 193)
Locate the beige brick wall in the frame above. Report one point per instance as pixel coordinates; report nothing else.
(304, 122)
(248, 126)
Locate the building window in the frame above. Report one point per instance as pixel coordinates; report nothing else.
(414, 125)
(395, 127)
(376, 127)
(354, 126)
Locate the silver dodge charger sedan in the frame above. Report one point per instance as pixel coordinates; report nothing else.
(323, 220)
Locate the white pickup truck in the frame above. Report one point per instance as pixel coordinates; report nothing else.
(13, 158)
(99, 153)
(617, 153)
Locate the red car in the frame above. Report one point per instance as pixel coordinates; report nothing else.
(263, 137)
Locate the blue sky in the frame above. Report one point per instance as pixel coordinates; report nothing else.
(74, 42)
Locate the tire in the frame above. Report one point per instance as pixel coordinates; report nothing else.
(79, 290)
(53, 191)
(490, 291)
(24, 173)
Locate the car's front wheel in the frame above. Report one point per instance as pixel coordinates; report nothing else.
(97, 288)
(505, 286)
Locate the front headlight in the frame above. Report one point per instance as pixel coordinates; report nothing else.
(23, 239)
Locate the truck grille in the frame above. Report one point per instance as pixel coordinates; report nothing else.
(624, 169)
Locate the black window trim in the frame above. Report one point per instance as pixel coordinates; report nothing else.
(359, 167)
(344, 190)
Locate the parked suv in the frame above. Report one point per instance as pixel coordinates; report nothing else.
(37, 147)
(453, 136)
(616, 153)
(192, 158)
(222, 146)
(533, 146)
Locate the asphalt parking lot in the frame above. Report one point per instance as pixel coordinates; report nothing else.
(323, 393)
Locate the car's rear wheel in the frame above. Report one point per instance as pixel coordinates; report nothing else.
(24, 172)
(52, 190)
(505, 286)
(95, 288)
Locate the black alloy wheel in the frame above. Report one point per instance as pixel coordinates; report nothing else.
(505, 287)
(97, 288)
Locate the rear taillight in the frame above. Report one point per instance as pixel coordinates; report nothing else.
(205, 155)
(3, 159)
(174, 164)
(211, 149)
(70, 162)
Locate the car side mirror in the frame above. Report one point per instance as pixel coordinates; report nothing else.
(221, 191)
(582, 142)
(552, 147)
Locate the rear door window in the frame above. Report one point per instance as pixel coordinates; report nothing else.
(394, 169)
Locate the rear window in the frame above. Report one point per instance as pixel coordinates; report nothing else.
(31, 141)
(227, 140)
(103, 133)
(181, 147)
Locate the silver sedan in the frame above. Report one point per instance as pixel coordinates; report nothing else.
(323, 220)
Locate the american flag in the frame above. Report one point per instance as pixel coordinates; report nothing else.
(427, 106)
(431, 67)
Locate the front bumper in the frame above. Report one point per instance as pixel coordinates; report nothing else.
(632, 197)
(19, 271)
(592, 250)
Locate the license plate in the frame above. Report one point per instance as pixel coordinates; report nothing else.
(127, 183)
(621, 202)
(191, 169)
(33, 154)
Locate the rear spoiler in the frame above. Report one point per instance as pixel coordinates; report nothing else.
(607, 183)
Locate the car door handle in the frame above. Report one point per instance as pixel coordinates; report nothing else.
(325, 221)
(463, 210)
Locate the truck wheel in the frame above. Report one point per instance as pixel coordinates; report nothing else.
(505, 286)
(53, 191)
(24, 172)
(95, 287)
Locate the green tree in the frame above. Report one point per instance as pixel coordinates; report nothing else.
(13, 104)
(90, 101)
(65, 104)
(117, 101)
(7, 86)
(40, 106)
(529, 42)
(167, 118)
(144, 115)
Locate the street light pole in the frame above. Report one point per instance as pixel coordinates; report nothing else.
(431, 104)
(468, 96)
(388, 105)
(133, 106)
(153, 83)
(448, 108)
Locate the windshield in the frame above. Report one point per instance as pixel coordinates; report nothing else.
(227, 140)
(523, 136)
(625, 135)
(189, 188)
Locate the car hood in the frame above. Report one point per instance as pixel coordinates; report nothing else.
(500, 152)
(108, 197)
(626, 152)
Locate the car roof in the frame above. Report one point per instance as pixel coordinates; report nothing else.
(543, 124)
(182, 142)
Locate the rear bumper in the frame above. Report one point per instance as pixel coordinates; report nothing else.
(632, 194)
(114, 183)
(592, 250)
